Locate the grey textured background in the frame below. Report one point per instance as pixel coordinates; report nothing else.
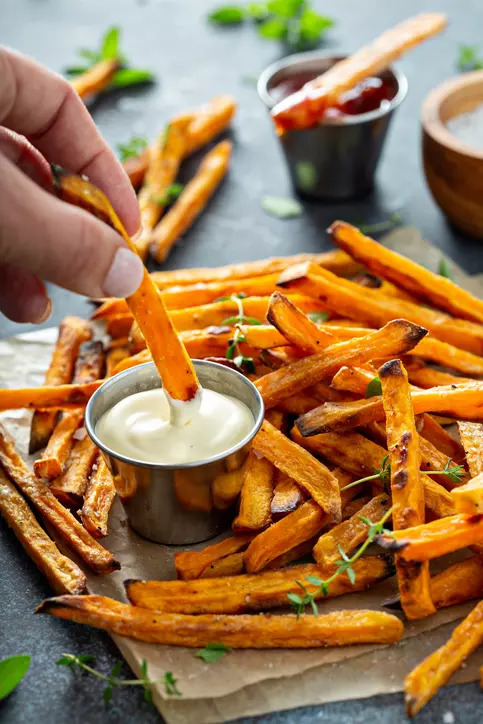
(195, 61)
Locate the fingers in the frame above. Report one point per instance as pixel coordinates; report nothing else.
(20, 152)
(42, 106)
(61, 243)
(23, 297)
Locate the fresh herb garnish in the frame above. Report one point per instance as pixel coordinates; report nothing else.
(134, 147)
(443, 269)
(212, 652)
(281, 207)
(110, 50)
(233, 351)
(306, 175)
(12, 671)
(318, 316)
(113, 681)
(468, 58)
(374, 387)
(343, 565)
(378, 228)
(170, 195)
(294, 22)
(454, 472)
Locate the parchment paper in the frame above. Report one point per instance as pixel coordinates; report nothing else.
(248, 682)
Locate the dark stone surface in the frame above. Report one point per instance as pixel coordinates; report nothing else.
(195, 61)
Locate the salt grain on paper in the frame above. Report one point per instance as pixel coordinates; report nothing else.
(448, 717)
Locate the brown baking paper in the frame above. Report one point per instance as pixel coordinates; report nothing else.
(248, 682)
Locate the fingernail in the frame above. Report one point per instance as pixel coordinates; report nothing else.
(38, 309)
(125, 274)
(46, 313)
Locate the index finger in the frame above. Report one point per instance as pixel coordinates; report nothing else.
(42, 106)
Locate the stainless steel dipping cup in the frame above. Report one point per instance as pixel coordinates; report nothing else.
(337, 159)
(166, 503)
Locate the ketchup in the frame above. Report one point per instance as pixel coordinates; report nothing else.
(366, 96)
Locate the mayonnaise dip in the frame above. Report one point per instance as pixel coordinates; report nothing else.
(139, 427)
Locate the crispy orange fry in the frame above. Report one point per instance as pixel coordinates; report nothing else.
(249, 592)
(302, 551)
(396, 337)
(72, 332)
(296, 327)
(458, 401)
(306, 107)
(471, 434)
(226, 488)
(439, 291)
(63, 574)
(164, 159)
(435, 539)
(360, 456)
(441, 439)
(301, 466)
(115, 357)
(231, 565)
(191, 202)
(364, 279)
(64, 397)
(119, 325)
(344, 297)
(407, 487)
(425, 377)
(424, 681)
(61, 520)
(460, 582)
(96, 79)
(135, 167)
(191, 564)
(287, 496)
(146, 304)
(98, 499)
(71, 485)
(468, 498)
(239, 632)
(209, 121)
(255, 495)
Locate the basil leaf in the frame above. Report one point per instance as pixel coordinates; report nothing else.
(282, 208)
(374, 388)
(229, 15)
(443, 269)
(110, 43)
(131, 76)
(318, 316)
(12, 671)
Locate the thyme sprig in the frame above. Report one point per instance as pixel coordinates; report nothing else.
(343, 565)
(113, 681)
(454, 472)
(233, 351)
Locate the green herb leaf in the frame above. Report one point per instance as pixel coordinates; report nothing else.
(74, 70)
(212, 652)
(12, 671)
(107, 695)
(312, 26)
(148, 697)
(241, 319)
(273, 29)
(87, 659)
(314, 580)
(443, 269)
(285, 8)
(378, 228)
(306, 175)
(170, 685)
(110, 43)
(170, 195)
(245, 363)
(131, 76)
(93, 56)
(318, 317)
(374, 387)
(134, 147)
(228, 15)
(468, 58)
(116, 670)
(65, 661)
(280, 207)
(144, 669)
(257, 11)
(351, 575)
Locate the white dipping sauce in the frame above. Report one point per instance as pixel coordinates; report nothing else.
(139, 427)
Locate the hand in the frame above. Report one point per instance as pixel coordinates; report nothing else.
(42, 120)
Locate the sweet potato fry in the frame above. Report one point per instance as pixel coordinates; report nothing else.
(287, 496)
(241, 632)
(164, 159)
(231, 565)
(61, 520)
(471, 434)
(396, 337)
(335, 260)
(460, 582)
(98, 499)
(191, 564)
(191, 202)
(302, 551)
(209, 121)
(350, 533)
(424, 681)
(96, 79)
(146, 304)
(72, 332)
(63, 574)
(468, 498)
(255, 495)
(119, 325)
(407, 487)
(114, 357)
(226, 487)
(365, 279)
(437, 290)
(435, 539)
(63, 397)
(426, 377)
(302, 467)
(192, 491)
(296, 327)
(135, 167)
(459, 401)
(71, 485)
(249, 592)
(343, 297)
(88, 368)
(361, 456)
(441, 439)
(306, 107)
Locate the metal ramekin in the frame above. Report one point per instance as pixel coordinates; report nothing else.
(337, 159)
(152, 493)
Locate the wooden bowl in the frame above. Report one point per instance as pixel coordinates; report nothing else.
(454, 170)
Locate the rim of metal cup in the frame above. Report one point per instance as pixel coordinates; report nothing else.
(292, 61)
(258, 419)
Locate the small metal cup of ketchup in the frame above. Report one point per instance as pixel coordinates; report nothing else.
(336, 159)
(173, 503)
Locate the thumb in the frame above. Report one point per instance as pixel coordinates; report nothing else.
(61, 243)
